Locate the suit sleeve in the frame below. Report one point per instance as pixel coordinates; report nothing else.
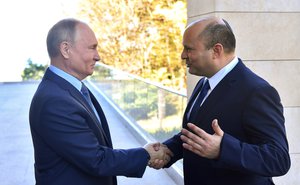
(63, 127)
(175, 145)
(266, 150)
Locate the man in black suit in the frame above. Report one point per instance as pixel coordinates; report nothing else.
(72, 142)
(233, 127)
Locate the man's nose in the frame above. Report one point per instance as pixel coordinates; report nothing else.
(183, 55)
(97, 57)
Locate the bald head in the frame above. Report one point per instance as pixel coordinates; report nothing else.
(213, 30)
(205, 21)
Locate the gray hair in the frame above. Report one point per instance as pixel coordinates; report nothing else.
(64, 30)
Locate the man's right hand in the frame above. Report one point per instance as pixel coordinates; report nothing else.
(159, 153)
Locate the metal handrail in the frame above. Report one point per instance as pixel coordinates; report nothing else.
(143, 80)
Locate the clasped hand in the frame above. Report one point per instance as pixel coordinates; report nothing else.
(159, 153)
(195, 140)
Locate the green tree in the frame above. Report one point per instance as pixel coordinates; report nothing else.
(33, 71)
(142, 37)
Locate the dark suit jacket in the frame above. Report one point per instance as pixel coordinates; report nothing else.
(70, 146)
(254, 147)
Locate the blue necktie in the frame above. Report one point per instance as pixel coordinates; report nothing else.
(199, 99)
(86, 95)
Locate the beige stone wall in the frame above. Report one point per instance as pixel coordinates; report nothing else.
(268, 35)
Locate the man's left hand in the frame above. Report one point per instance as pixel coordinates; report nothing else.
(201, 142)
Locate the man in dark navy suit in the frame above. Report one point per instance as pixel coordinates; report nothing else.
(233, 127)
(72, 142)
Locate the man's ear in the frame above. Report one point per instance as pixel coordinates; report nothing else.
(65, 49)
(217, 50)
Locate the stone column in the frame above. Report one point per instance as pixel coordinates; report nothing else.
(268, 37)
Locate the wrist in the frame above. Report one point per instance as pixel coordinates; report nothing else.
(148, 159)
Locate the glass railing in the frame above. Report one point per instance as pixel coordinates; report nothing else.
(157, 110)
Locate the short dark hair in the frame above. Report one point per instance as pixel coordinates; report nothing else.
(63, 30)
(215, 33)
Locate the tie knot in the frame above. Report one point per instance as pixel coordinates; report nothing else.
(206, 86)
(84, 89)
(86, 94)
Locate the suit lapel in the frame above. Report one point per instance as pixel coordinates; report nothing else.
(217, 95)
(78, 96)
(102, 118)
(192, 99)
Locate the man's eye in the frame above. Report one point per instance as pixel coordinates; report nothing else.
(94, 47)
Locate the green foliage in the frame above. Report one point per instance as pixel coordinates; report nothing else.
(143, 104)
(163, 135)
(101, 73)
(141, 101)
(142, 37)
(33, 71)
(157, 111)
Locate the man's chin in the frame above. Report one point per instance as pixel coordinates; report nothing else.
(90, 73)
(191, 71)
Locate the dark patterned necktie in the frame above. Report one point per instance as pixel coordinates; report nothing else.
(86, 95)
(204, 90)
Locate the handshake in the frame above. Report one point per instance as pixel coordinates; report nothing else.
(159, 153)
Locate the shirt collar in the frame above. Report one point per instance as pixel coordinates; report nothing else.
(71, 79)
(214, 80)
